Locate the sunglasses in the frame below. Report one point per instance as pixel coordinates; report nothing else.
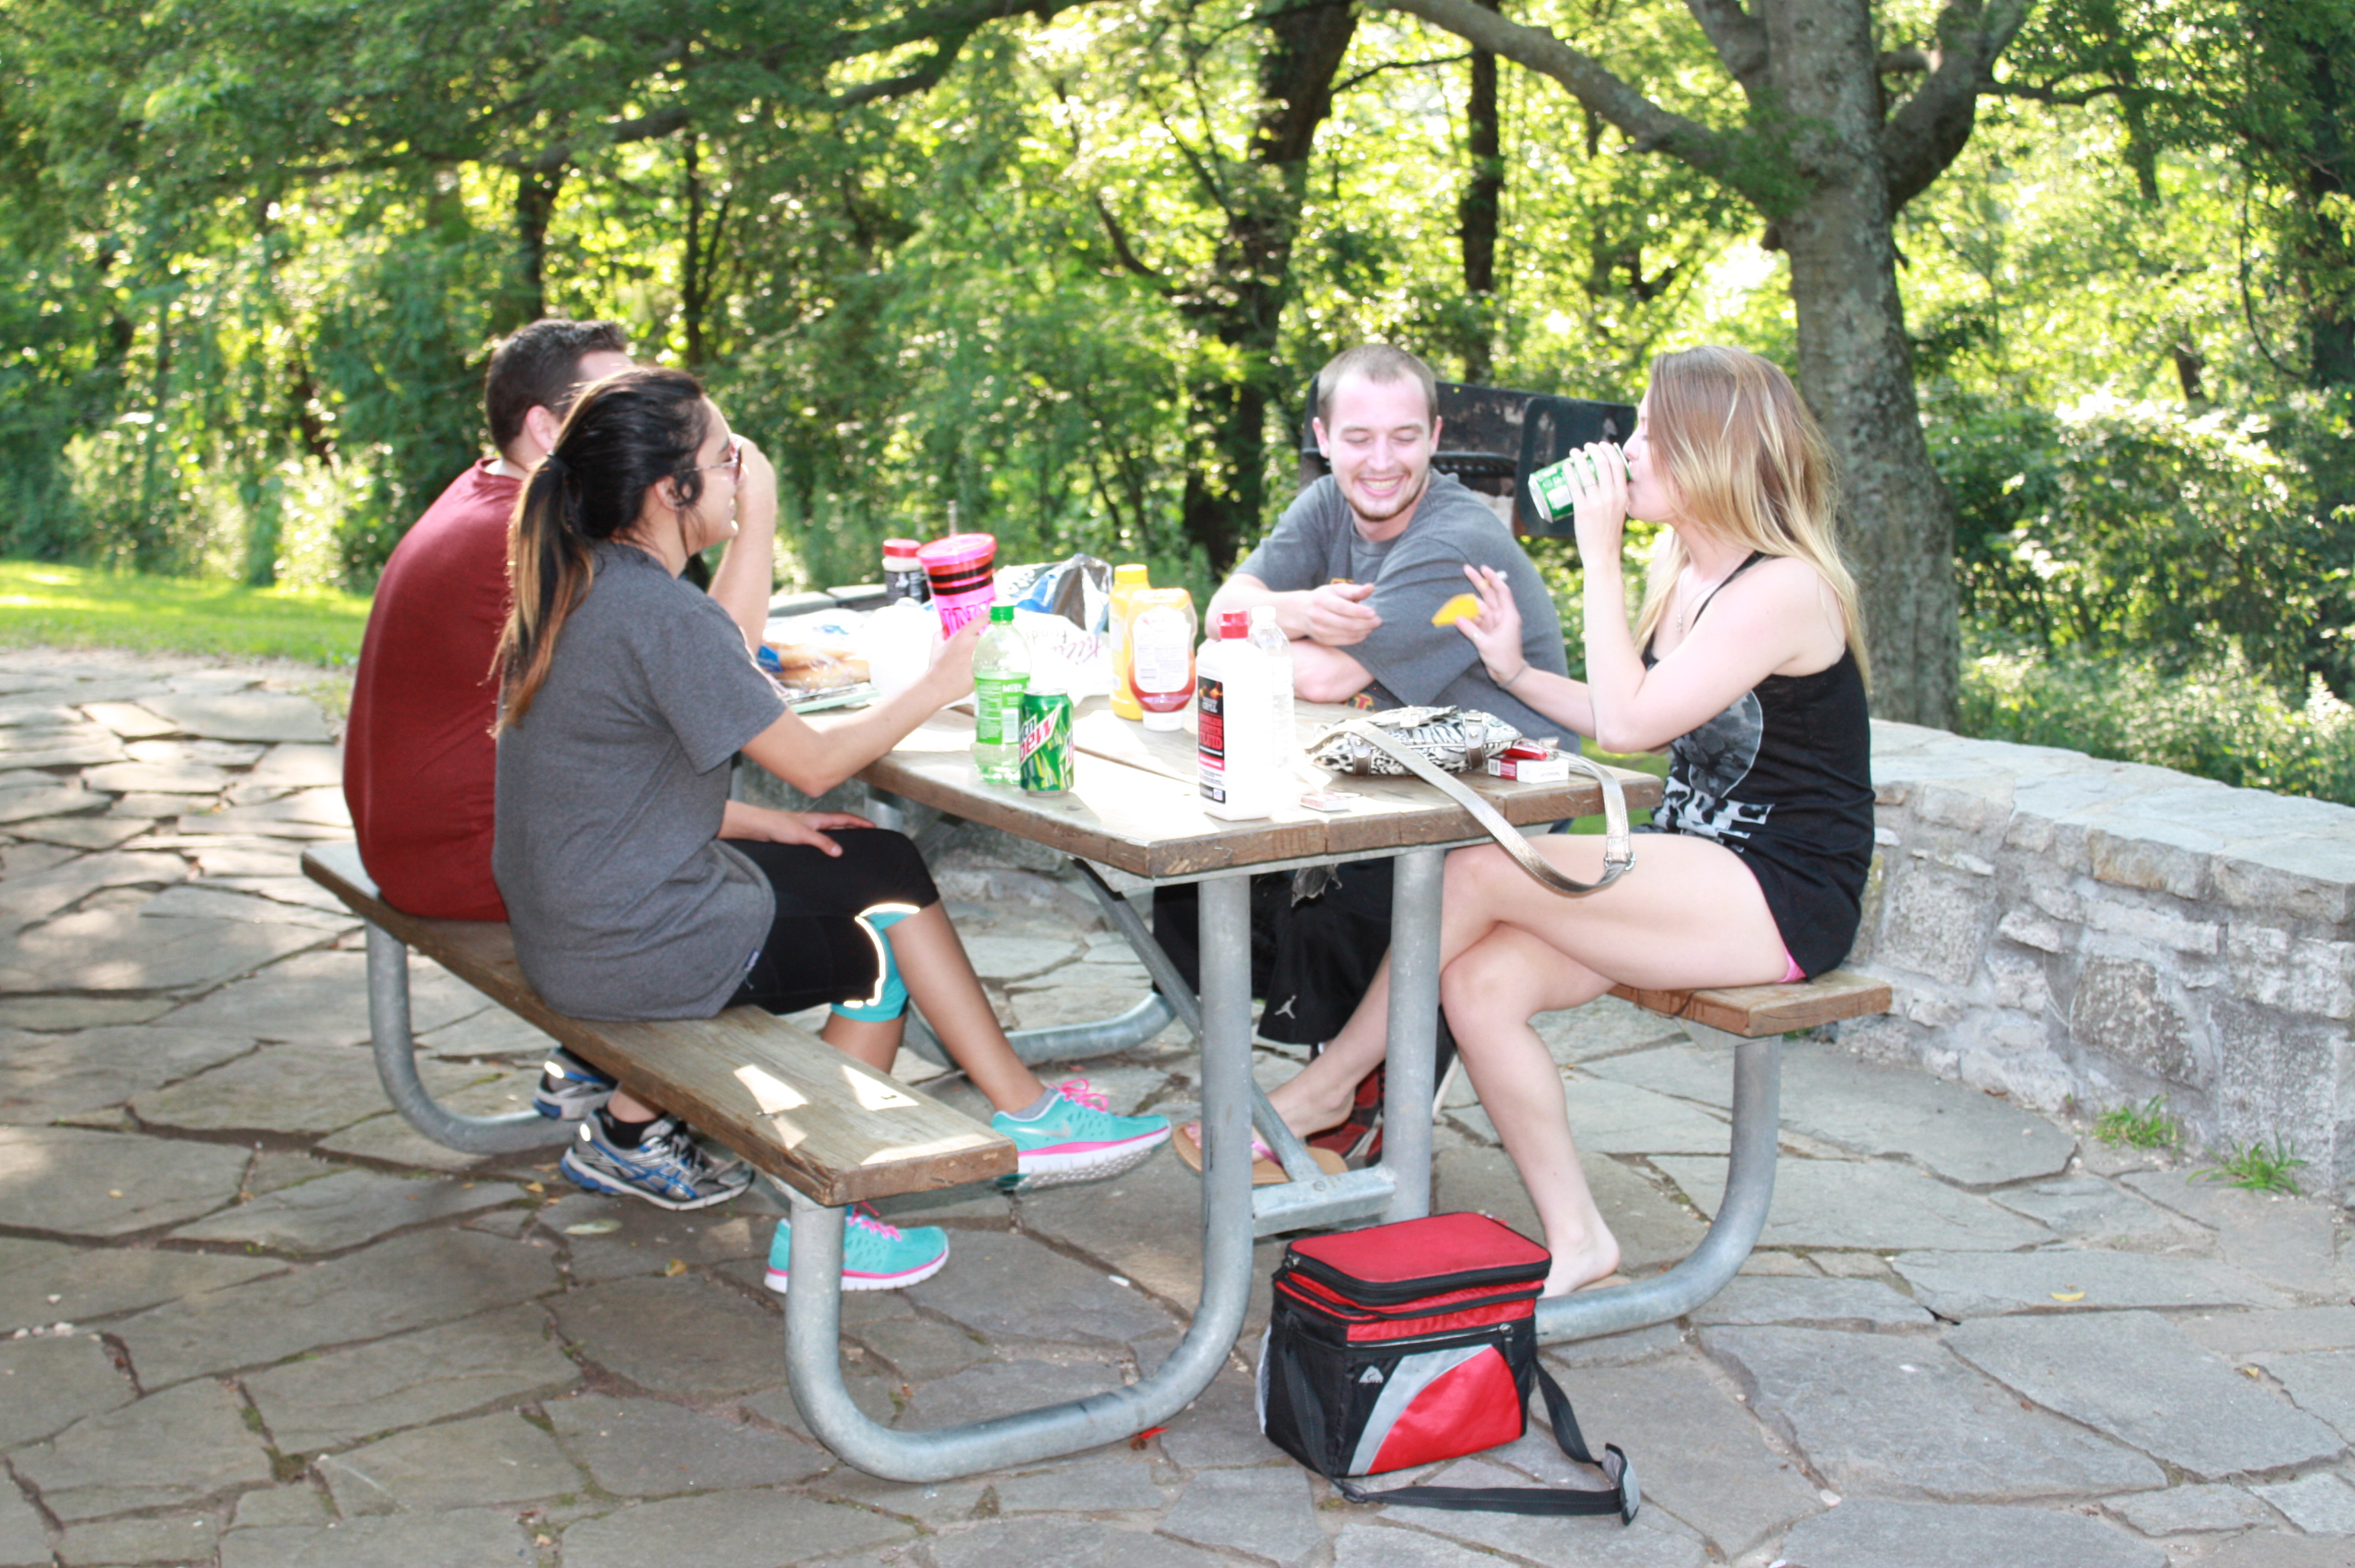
(735, 458)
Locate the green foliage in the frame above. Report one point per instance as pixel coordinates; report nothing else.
(52, 604)
(2147, 1125)
(255, 252)
(2258, 1166)
(2111, 526)
(2216, 718)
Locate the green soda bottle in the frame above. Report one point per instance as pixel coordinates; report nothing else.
(1001, 674)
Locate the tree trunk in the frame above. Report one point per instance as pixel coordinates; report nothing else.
(1241, 305)
(2329, 320)
(693, 285)
(1855, 370)
(535, 209)
(1480, 212)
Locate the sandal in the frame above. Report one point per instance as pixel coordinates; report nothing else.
(1359, 1134)
(1266, 1170)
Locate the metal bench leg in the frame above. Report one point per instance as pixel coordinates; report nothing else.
(1740, 1213)
(396, 1068)
(814, 1308)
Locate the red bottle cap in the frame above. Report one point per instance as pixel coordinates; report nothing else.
(1234, 624)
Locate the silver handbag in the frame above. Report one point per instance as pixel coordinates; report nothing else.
(1435, 744)
(1453, 739)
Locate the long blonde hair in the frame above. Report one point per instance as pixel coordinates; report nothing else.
(1727, 429)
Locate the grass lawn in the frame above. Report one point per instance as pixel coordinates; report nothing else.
(1653, 763)
(78, 606)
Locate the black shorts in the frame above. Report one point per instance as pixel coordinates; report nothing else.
(816, 950)
(1311, 961)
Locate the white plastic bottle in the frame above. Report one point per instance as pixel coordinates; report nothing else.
(1268, 639)
(1235, 723)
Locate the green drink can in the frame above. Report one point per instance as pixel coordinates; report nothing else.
(1550, 487)
(1046, 741)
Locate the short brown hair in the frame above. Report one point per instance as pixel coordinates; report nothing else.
(1375, 362)
(538, 367)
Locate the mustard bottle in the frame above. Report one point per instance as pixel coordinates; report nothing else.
(1127, 582)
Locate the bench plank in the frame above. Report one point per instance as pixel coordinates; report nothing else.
(1756, 1011)
(792, 1104)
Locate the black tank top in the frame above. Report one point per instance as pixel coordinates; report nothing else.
(1784, 779)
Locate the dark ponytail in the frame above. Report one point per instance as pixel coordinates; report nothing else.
(626, 435)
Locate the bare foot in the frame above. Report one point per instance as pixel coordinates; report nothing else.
(1311, 1100)
(1594, 1264)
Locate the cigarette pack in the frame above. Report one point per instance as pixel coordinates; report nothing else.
(1531, 762)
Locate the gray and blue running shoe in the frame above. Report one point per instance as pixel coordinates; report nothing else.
(570, 1088)
(667, 1168)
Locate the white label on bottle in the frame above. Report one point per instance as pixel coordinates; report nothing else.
(998, 709)
(1159, 652)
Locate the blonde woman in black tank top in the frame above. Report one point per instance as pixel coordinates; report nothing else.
(1747, 663)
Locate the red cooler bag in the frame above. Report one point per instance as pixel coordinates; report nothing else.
(1411, 1343)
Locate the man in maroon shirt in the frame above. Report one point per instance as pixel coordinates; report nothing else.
(418, 757)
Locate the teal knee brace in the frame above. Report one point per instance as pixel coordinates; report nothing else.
(890, 995)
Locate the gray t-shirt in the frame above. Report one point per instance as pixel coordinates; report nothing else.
(1412, 660)
(606, 848)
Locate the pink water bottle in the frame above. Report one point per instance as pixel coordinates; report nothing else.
(959, 567)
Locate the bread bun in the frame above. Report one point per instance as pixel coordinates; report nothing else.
(812, 667)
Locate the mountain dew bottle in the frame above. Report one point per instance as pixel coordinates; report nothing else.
(1001, 674)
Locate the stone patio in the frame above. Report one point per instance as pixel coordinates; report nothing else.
(248, 1319)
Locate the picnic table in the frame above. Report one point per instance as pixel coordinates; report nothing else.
(828, 1131)
(1134, 820)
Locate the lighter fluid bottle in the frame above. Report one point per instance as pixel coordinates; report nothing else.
(1001, 674)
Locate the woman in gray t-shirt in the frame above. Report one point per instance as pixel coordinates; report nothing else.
(638, 889)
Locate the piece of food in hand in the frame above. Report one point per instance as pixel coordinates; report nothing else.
(1462, 607)
(812, 666)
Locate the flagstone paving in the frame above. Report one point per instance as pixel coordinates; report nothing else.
(250, 1320)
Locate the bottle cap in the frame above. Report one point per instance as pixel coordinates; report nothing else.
(1129, 574)
(1235, 623)
(1001, 614)
(901, 553)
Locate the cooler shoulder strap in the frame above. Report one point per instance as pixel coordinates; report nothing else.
(1625, 1497)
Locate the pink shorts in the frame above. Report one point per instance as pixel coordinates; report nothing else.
(1792, 973)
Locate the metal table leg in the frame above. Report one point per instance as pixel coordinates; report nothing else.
(395, 1069)
(814, 1308)
(1414, 1019)
(1740, 1214)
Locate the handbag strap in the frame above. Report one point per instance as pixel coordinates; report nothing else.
(1618, 843)
(1625, 1497)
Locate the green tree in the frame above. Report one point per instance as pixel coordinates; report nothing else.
(1826, 144)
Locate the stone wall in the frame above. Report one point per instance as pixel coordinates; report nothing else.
(2060, 928)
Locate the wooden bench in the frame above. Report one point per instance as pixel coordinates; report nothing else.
(1752, 1021)
(836, 1131)
(1754, 1012)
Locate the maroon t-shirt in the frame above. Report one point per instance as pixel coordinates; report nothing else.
(419, 767)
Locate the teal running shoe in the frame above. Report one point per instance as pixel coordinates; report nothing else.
(875, 1255)
(1078, 1139)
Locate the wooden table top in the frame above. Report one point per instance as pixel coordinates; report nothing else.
(1135, 806)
